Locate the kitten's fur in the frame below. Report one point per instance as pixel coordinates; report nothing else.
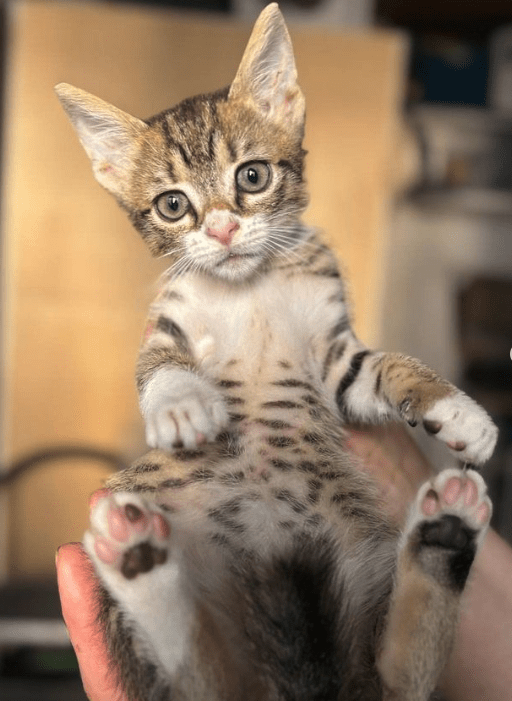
(257, 563)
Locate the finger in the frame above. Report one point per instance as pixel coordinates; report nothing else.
(78, 593)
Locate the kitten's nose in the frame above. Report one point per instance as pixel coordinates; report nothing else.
(224, 234)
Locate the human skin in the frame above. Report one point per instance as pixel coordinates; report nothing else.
(480, 666)
(78, 593)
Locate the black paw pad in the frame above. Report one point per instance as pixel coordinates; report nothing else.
(133, 513)
(447, 532)
(141, 558)
(455, 543)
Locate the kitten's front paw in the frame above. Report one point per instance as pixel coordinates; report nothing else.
(464, 426)
(127, 536)
(182, 410)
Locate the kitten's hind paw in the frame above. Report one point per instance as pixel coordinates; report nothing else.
(137, 561)
(457, 492)
(464, 426)
(447, 524)
(127, 536)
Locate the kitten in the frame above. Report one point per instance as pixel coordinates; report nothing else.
(246, 557)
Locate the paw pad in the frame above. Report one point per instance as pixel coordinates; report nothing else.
(141, 558)
(461, 493)
(127, 534)
(447, 532)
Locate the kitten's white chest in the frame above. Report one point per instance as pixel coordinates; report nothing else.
(273, 319)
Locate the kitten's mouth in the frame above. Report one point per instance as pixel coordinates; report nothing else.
(237, 266)
(234, 257)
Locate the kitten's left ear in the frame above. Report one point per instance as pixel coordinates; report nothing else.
(267, 76)
(109, 136)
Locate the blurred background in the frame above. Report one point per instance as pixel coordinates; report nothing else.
(409, 135)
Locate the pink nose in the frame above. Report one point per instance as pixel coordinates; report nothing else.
(224, 234)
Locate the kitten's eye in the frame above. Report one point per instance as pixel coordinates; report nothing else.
(172, 205)
(253, 177)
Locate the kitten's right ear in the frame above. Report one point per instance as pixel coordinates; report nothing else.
(109, 136)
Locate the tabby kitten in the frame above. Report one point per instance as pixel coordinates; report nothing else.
(246, 556)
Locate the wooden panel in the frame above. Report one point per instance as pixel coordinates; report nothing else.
(78, 279)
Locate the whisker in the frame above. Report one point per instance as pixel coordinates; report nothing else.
(269, 237)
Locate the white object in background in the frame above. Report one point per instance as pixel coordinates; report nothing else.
(42, 632)
(333, 13)
(500, 74)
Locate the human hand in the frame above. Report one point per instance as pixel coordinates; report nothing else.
(389, 455)
(79, 596)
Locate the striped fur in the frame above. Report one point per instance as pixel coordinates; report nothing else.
(255, 560)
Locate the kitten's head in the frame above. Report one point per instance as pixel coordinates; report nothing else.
(216, 182)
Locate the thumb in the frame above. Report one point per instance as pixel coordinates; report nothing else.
(79, 601)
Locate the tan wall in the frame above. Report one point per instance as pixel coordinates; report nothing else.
(77, 279)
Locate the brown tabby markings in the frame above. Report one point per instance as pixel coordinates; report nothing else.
(214, 125)
(157, 357)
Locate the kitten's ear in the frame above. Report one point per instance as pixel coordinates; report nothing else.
(109, 136)
(267, 76)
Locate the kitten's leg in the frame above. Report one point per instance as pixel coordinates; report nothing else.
(374, 386)
(130, 544)
(181, 407)
(445, 528)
